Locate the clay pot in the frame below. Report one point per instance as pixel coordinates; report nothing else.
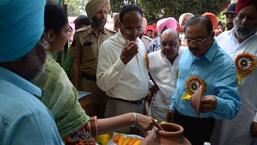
(172, 135)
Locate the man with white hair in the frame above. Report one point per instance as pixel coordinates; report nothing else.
(85, 51)
(182, 23)
(183, 20)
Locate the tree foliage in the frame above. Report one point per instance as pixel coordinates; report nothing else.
(116, 5)
(155, 9)
(75, 7)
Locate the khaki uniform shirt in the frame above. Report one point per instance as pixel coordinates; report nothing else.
(86, 48)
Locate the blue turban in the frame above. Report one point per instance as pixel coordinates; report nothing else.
(21, 27)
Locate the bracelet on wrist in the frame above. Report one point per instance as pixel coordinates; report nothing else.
(134, 120)
(93, 126)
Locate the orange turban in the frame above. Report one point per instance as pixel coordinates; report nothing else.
(243, 3)
(213, 18)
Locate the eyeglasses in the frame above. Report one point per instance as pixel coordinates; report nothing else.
(196, 41)
(247, 17)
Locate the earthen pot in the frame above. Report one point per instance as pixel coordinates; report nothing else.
(172, 135)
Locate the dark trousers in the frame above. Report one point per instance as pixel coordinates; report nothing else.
(196, 130)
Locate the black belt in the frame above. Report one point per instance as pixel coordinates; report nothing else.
(88, 76)
(128, 101)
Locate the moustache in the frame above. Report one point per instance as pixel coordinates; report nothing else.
(245, 32)
(192, 48)
(243, 29)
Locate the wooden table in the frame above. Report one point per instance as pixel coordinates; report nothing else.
(86, 100)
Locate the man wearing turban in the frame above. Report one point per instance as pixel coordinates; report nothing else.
(241, 44)
(24, 120)
(213, 18)
(162, 24)
(84, 54)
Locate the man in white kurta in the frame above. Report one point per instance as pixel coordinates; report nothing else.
(121, 70)
(236, 41)
(163, 67)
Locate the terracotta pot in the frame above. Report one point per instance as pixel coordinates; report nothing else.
(172, 135)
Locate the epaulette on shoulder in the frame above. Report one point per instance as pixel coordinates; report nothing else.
(110, 30)
(83, 28)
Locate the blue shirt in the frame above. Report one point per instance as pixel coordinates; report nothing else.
(24, 120)
(217, 69)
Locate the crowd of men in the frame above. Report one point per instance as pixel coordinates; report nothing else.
(196, 76)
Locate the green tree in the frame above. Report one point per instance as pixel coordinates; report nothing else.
(116, 5)
(75, 7)
(156, 9)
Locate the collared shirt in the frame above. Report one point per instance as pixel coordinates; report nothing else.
(237, 130)
(218, 71)
(128, 82)
(86, 48)
(147, 41)
(24, 120)
(165, 76)
(60, 97)
(224, 38)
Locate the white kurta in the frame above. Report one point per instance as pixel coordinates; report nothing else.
(165, 75)
(237, 130)
(127, 82)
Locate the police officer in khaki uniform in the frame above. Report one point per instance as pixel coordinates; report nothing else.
(85, 49)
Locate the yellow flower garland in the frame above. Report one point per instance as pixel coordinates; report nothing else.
(245, 63)
(192, 84)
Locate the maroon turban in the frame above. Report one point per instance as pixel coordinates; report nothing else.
(243, 3)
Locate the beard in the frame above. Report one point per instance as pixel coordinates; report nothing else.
(245, 32)
(98, 23)
(31, 64)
